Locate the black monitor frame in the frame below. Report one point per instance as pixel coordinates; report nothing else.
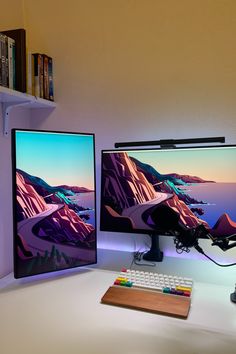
(154, 254)
(17, 273)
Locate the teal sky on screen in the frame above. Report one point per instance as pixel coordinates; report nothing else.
(213, 164)
(57, 158)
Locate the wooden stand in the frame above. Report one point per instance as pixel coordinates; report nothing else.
(145, 300)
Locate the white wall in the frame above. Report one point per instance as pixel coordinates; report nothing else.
(137, 70)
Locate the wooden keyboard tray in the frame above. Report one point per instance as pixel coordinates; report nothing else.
(145, 300)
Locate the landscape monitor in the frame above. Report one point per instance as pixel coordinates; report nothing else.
(54, 208)
(138, 187)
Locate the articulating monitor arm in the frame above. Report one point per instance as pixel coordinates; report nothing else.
(189, 238)
(167, 220)
(224, 243)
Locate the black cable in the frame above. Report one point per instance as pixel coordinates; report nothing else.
(139, 261)
(200, 250)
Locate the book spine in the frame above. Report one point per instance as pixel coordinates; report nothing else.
(41, 70)
(19, 35)
(30, 74)
(6, 63)
(50, 79)
(45, 77)
(4, 60)
(37, 74)
(14, 64)
(0, 59)
(11, 63)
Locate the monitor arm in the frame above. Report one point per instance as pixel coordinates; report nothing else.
(223, 243)
(189, 238)
(168, 221)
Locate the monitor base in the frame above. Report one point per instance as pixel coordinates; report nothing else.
(233, 297)
(154, 254)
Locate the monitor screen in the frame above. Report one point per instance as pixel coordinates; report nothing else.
(53, 201)
(197, 183)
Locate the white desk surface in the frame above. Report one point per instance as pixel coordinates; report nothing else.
(62, 314)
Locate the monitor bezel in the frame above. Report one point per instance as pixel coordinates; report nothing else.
(151, 148)
(14, 203)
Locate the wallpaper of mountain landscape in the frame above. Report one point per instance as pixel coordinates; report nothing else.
(55, 223)
(136, 183)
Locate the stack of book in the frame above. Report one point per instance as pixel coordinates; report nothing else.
(7, 62)
(13, 71)
(40, 76)
(33, 75)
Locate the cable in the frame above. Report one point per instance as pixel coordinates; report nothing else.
(139, 261)
(137, 258)
(200, 250)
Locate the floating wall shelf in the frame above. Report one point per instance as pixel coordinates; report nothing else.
(11, 98)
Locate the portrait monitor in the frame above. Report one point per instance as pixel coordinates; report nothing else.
(198, 183)
(54, 214)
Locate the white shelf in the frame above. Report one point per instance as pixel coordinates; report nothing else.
(11, 98)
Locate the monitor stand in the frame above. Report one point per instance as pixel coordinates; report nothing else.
(233, 295)
(154, 254)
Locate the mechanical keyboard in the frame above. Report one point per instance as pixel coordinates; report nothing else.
(168, 284)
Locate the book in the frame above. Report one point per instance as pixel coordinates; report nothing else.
(30, 74)
(41, 73)
(0, 59)
(38, 77)
(45, 77)
(50, 79)
(19, 35)
(4, 60)
(11, 64)
(6, 75)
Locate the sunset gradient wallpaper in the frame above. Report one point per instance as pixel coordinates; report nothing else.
(54, 201)
(199, 184)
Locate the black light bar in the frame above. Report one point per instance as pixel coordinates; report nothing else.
(171, 142)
